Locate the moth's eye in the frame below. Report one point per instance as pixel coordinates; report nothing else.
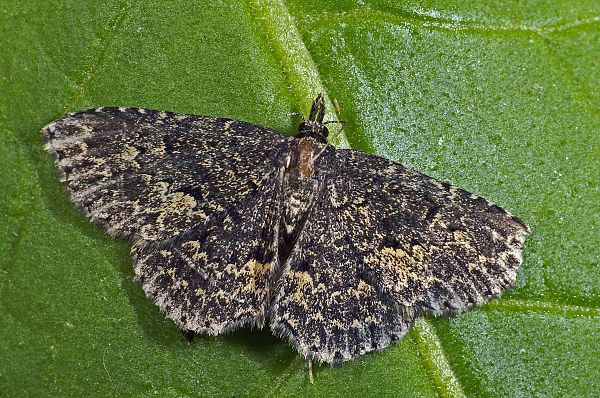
(325, 131)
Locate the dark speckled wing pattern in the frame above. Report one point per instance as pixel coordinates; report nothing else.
(233, 224)
(428, 245)
(383, 245)
(180, 187)
(150, 175)
(325, 304)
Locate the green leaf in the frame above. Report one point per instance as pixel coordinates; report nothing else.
(500, 98)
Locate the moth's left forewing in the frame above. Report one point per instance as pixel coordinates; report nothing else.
(151, 175)
(198, 197)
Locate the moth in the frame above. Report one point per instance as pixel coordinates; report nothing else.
(235, 225)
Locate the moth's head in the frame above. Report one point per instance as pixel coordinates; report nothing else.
(314, 126)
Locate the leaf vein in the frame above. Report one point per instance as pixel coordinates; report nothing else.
(433, 355)
(295, 61)
(543, 306)
(116, 24)
(446, 23)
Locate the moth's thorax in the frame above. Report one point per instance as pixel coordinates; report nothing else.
(304, 155)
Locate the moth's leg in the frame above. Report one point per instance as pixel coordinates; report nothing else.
(188, 336)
